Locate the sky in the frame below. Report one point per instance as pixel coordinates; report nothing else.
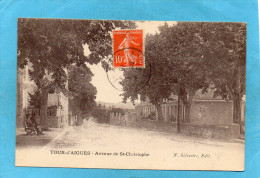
(105, 91)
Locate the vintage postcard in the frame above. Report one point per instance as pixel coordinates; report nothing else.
(113, 94)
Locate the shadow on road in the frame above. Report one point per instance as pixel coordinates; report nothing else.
(28, 141)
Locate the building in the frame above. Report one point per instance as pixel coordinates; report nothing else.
(58, 107)
(213, 116)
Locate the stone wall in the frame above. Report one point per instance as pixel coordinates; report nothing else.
(205, 131)
(209, 112)
(210, 118)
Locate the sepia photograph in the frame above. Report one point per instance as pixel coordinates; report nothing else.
(119, 94)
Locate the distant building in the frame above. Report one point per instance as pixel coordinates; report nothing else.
(169, 108)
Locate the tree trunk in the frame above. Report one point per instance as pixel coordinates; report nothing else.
(235, 118)
(159, 111)
(188, 106)
(187, 113)
(237, 110)
(237, 98)
(178, 115)
(43, 109)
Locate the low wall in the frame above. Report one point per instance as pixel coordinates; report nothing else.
(208, 112)
(205, 131)
(51, 121)
(54, 121)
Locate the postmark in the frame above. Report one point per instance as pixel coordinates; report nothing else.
(115, 75)
(128, 48)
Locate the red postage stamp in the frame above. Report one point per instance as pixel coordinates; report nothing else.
(128, 48)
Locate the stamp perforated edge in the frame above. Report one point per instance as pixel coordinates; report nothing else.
(125, 67)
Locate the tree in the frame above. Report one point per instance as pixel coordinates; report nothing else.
(184, 49)
(175, 65)
(149, 82)
(101, 114)
(208, 53)
(52, 45)
(228, 63)
(189, 57)
(35, 99)
(83, 92)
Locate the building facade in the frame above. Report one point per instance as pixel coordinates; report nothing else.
(58, 107)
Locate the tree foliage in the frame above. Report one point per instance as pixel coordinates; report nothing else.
(35, 99)
(184, 49)
(172, 55)
(156, 73)
(52, 45)
(83, 92)
(188, 57)
(228, 64)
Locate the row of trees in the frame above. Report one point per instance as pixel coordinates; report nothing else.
(102, 114)
(55, 48)
(181, 59)
(188, 57)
